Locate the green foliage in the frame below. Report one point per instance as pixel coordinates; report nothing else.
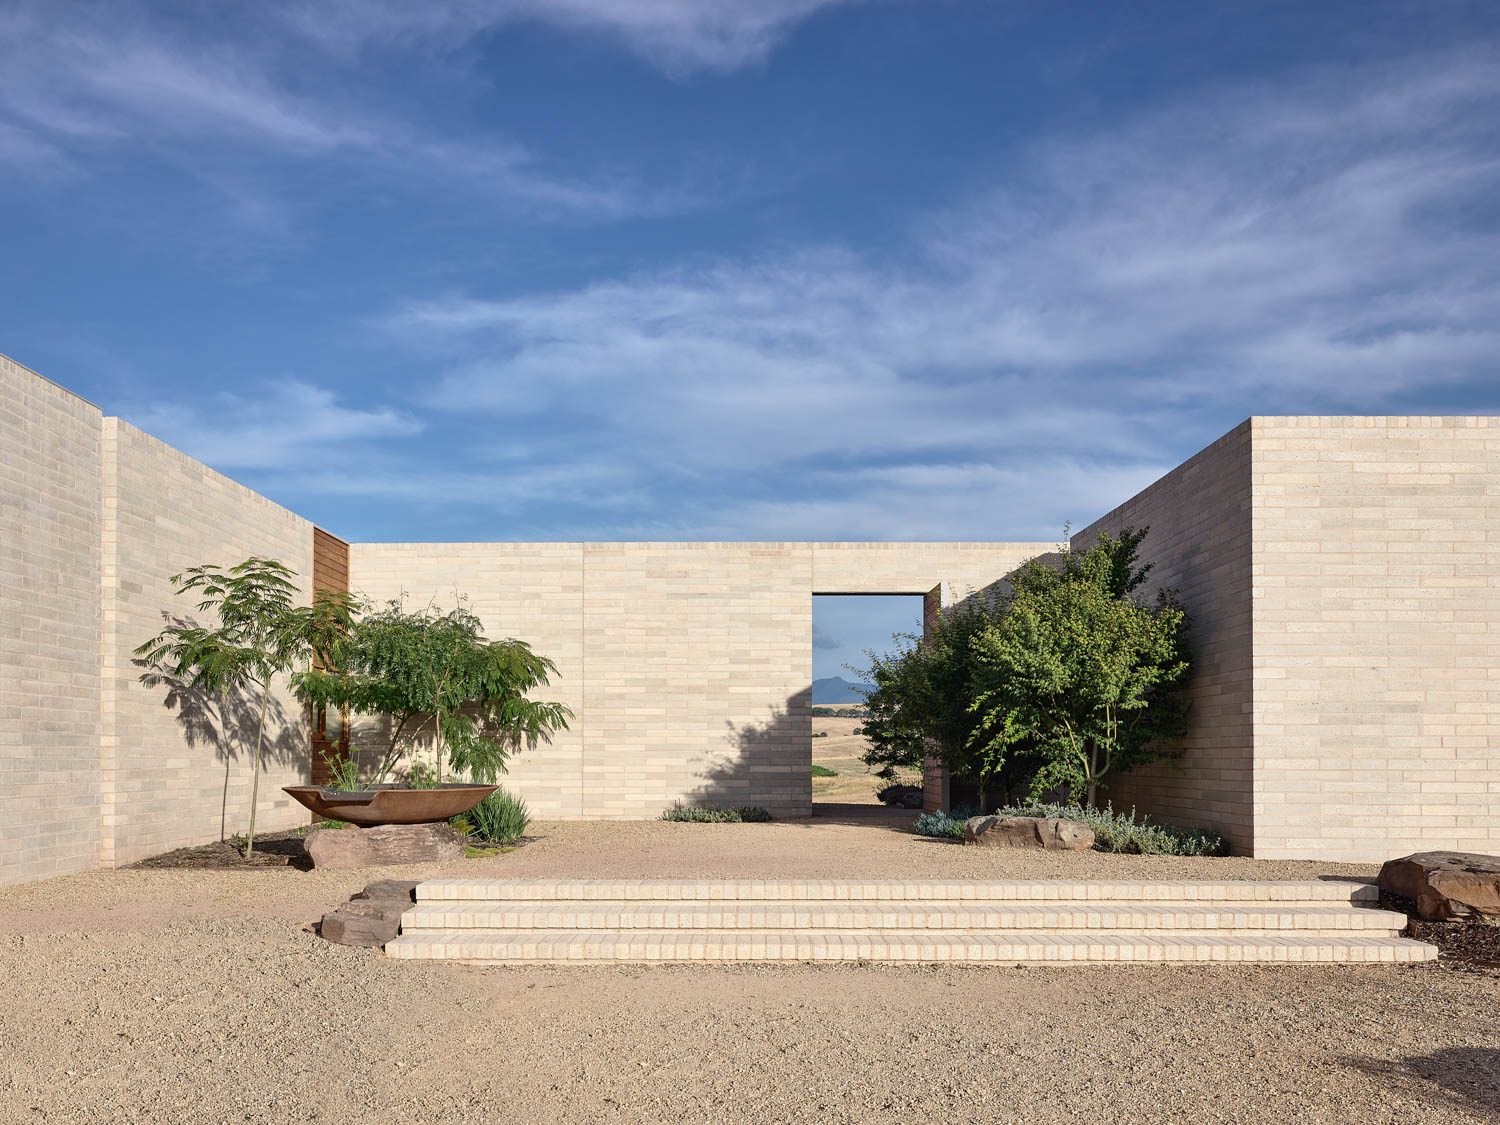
(343, 773)
(1080, 673)
(824, 771)
(708, 814)
(1116, 832)
(924, 694)
(940, 825)
(500, 818)
(437, 677)
(261, 632)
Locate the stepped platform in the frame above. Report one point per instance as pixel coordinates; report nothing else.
(595, 921)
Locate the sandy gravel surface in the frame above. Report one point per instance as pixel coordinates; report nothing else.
(180, 996)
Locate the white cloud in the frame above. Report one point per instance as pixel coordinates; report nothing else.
(289, 426)
(1290, 249)
(213, 98)
(680, 36)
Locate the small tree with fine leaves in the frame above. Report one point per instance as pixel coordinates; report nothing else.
(1082, 672)
(261, 633)
(435, 675)
(923, 701)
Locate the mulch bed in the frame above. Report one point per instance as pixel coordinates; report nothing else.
(1466, 946)
(274, 849)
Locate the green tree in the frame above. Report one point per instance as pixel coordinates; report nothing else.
(434, 675)
(261, 633)
(924, 696)
(1080, 671)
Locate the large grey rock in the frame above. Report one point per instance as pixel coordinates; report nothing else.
(401, 890)
(386, 843)
(1446, 885)
(1050, 833)
(367, 929)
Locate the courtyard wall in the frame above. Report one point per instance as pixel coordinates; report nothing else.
(175, 766)
(687, 665)
(49, 627)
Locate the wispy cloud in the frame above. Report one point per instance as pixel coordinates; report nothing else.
(680, 36)
(85, 81)
(1319, 245)
(283, 425)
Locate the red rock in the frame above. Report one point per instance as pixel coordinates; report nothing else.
(1446, 885)
(384, 844)
(1048, 833)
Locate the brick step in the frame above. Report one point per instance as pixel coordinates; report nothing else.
(429, 916)
(781, 891)
(551, 947)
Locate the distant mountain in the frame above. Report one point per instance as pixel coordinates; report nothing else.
(836, 689)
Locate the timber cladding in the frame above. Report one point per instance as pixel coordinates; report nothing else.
(330, 571)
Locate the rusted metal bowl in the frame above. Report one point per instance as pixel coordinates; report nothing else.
(390, 804)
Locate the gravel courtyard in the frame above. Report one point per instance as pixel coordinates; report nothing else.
(197, 996)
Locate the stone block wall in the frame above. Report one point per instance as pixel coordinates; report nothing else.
(1200, 545)
(687, 665)
(175, 767)
(1377, 635)
(530, 591)
(49, 628)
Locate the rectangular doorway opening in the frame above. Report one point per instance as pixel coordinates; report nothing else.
(846, 628)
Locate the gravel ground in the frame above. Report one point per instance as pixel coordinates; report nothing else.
(196, 996)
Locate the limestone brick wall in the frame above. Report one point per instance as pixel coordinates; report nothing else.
(530, 591)
(1377, 636)
(699, 673)
(175, 767)
(916, 568)
(49, 628)
(1200, 544)
(688, 665)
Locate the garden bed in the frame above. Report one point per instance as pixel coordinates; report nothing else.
(281, 849)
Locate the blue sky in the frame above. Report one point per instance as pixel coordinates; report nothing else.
(802, 269)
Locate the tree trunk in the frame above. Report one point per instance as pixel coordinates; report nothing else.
(260, 732)
(1093, 774)
(1093, 791)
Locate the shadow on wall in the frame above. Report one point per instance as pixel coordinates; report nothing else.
(227, 722)
(770, 763)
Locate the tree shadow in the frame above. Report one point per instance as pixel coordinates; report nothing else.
(1465, 1078)
(769, 765)
(226, 723)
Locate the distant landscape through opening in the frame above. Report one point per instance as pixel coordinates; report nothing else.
(846, 627)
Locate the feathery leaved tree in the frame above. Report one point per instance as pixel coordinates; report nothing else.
(261, 633)
(435, 675)
(1080, 671)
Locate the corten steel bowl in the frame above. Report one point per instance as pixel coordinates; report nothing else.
(390, 804)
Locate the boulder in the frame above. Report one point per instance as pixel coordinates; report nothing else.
(383, 844)
(359, 929)
(1446, 885)
(1050, 833)
(372, 916)
(401, 890)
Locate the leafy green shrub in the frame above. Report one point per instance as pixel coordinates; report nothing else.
(824, 771)
(1117, 832)
(707, 814)
(940, 825)
(500, 818)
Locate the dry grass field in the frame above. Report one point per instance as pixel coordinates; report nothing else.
(838, 747)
